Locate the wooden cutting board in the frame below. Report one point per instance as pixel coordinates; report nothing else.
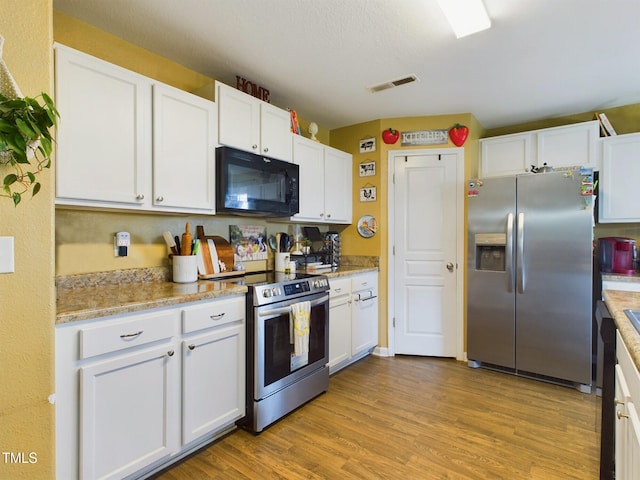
(214, 249)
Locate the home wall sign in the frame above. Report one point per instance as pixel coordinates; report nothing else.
(252, 89)
(367, 169)
(425, 137)
(368, 194)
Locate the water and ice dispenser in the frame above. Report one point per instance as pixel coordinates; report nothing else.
(490, 251)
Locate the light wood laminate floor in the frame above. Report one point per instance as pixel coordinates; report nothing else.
(417, 418)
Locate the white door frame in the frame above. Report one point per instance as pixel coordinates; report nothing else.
(460, 264)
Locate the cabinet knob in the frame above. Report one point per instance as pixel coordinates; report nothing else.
(254, 146)
(621, 415)
(191, 347)
(170, 353)
(328, 215)
(450, 266)
(266, 149)
(159, 199)
(321, 215)
(140, 197)
(617, 402)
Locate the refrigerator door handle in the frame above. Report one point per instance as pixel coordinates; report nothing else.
(521, 270)
(509, 253)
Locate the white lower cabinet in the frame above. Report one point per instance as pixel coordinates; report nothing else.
(353, 319)
(127, 412)
(213, 367)
(627, 428)
(137, 391)
(364, 316)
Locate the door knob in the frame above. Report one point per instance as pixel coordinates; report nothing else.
(450, 266)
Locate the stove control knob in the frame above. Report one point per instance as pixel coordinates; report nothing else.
(266, 293)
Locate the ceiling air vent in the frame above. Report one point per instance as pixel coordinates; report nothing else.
(393, 84)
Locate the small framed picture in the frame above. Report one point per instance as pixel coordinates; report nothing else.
(368, 145)
(367, 169)
(368, 194)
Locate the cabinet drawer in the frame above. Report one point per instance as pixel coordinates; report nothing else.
(213, 314)
(130, 332)
(367, 281)
(339, 286)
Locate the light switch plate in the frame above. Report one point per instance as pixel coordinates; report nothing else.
(7, 264)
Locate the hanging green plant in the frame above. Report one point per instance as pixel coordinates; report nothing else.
(26, 143)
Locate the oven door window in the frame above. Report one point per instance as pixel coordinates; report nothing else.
(280, 360)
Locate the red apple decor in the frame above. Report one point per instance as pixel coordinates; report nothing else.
(390, 136)
(458, 134)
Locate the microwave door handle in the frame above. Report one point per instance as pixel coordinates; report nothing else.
(508, 254)
(521, 271)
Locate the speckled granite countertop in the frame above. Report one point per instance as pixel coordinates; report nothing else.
(615, 277)
(83, 297)
(617, 301)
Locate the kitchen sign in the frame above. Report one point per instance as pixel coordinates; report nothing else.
(425, 137)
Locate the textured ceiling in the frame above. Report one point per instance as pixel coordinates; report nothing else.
(540, 59)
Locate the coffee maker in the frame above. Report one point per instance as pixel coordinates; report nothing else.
(617, 255)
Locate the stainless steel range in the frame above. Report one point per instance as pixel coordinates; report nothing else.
(278, 379)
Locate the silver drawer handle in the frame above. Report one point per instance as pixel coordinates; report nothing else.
(338, 289)
(216, 316)
(369, 298)
(131, 335)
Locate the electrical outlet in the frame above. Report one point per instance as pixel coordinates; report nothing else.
(6, 255)
(121, 244)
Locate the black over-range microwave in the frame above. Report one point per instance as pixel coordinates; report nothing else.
(250, 184)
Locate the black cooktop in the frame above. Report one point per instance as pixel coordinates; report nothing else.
(254, 279)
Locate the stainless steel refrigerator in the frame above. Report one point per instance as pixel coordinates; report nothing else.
(530, 275)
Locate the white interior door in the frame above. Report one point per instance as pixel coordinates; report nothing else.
(426, 254)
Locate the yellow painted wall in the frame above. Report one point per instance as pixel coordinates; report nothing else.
(347, 139)
(27, 299)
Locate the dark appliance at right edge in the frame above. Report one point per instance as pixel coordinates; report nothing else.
(529, 283)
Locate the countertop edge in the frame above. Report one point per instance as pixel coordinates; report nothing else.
(617, 302)
(106, 300)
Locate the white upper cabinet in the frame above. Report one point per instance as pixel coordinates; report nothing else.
(569, 145)
(249, 124)
(325, 182)
(184, 127)
(565, 146)
(104, 135)
(505, 155)
(618, 194)
(128, 142)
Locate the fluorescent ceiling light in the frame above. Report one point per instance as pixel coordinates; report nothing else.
(465, 16)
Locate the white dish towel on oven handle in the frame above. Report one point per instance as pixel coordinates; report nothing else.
(299, 319)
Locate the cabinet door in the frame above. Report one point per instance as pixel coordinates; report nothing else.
(633, 443)
(103, 139)
(309, 155)
(339, 331)
(338, 186)
(128, 412)
(364, 317)
(275, 132)
(505, 155)
(569, 145)
(622, 399)
(238, 119)
(213, 381)
(619, 197)
(184, 140)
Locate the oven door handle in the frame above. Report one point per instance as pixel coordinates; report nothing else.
(280, 311)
